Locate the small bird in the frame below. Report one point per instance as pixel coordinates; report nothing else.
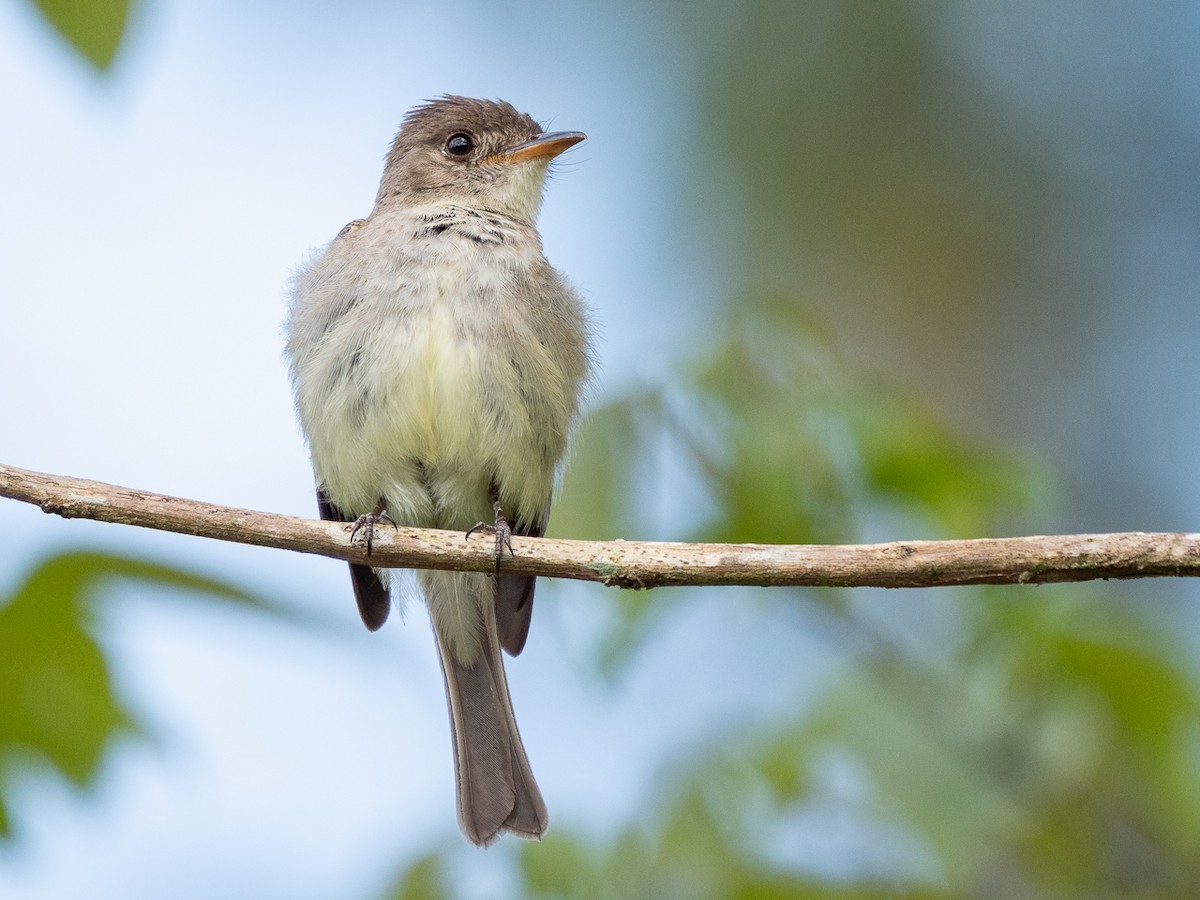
(437, 362)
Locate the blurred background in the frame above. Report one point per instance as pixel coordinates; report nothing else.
(863, 271)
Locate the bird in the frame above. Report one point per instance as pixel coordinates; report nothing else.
(438, 364)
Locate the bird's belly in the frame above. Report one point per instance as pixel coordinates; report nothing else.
(436, 412)
(442, 389)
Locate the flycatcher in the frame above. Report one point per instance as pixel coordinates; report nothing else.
(437, 362)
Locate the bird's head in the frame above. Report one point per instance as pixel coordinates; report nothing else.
(481, 154)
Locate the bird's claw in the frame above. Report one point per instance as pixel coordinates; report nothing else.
(366, 524)
(500, 529)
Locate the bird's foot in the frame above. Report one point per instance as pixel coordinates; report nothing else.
(366, 524)
(500, 529)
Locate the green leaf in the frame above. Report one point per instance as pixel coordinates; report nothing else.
(56, 698)
(912, 462)
(557, 866)
(57, 702)
(93, 27)
(423, 880)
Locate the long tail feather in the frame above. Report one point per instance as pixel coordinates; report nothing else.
(497, 792)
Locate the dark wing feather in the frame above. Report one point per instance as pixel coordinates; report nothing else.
(374, 603)
(514, 597)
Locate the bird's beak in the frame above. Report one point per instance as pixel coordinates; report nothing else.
(544, 146)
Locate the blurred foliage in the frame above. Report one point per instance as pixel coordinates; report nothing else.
(423, 880)
(869, 144)
(94, 28)
(780, 441)
(58, 705)
(796, 445)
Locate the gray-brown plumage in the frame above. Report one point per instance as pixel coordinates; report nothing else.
(437, 362)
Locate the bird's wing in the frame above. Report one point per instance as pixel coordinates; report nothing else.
(374, 602)
(514, 595)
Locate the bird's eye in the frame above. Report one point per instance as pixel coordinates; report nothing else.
(459, 144)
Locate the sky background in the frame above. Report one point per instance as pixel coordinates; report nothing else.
(149, 225)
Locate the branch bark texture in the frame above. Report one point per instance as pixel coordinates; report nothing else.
(637, 564)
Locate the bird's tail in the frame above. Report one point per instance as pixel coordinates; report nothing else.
(496, 789)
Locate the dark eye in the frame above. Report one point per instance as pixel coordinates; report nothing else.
(459, 144)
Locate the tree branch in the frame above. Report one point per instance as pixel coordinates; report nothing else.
(1018, 560)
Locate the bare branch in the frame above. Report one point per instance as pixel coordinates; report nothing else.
(628, 564)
